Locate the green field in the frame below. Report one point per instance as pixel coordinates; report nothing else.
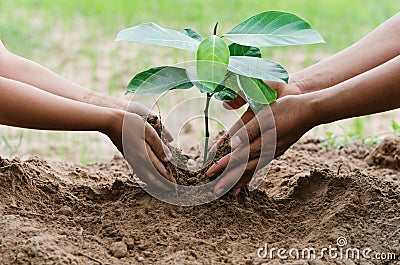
(76, 39)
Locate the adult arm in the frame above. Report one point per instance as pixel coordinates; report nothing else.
(374, 91)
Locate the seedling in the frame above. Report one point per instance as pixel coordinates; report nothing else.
(223, 69)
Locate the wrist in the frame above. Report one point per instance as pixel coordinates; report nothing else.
(312, 109)
(95, 98)
(316, 111)
(112, 122)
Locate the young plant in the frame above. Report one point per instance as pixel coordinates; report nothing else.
(222, 70)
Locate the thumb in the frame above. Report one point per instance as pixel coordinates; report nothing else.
(261, 122)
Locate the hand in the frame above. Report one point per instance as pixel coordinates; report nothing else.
(143, 111)
(287, 120)
(143, 149)
(282, 89)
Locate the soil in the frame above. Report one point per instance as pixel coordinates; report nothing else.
(62, 213)
(187, 169)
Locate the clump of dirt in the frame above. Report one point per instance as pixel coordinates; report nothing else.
(387, 154)
(178, 167)
(60, 213)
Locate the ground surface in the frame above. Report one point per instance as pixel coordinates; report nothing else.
(59, 213)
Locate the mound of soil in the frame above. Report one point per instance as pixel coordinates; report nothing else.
(387, 154)
(189, 171)
(60, 213)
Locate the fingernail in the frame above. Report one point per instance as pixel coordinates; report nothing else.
(209, 173)
(168, 157)
(235, 141)
(219, 191)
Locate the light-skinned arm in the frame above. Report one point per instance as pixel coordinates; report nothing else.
(23, 105)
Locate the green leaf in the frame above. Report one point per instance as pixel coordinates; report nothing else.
(257, 90)
(158, 80)
(193, 34)
(152, 33)
(231, 82)
(226, 95)
(258, 68)
(395, 126)
(242, 50)
(274, 28)
(212, 61)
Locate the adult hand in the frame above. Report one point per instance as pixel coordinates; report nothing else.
(282, 89)
(287, 120)
(143, 149)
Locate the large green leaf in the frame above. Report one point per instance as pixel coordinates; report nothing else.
(158, 80)
(212, 61)
(152, 33)
(257, 90)
(192, 33)
(242, 50)
(258, 68)
(274, 28)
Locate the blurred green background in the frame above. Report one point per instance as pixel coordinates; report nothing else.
(76, 39)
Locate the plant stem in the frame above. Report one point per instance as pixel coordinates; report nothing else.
(215, 28)
(209, 95)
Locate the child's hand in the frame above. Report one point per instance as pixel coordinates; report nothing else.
(143, 149)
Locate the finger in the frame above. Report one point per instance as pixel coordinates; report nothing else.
(244, 119)
(237, 157)
(262, 147)
(146, 172)
(246, 177)
(244, 171)
(218, 166)
(153, 179)
(156, 144)
(261, 122)
(167, 135)
(140, 110)
(158, 165)
(220, 141)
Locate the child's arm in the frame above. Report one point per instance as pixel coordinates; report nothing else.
(17, 68)
(25, 106)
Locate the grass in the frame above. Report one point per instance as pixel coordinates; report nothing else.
(76, 38)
